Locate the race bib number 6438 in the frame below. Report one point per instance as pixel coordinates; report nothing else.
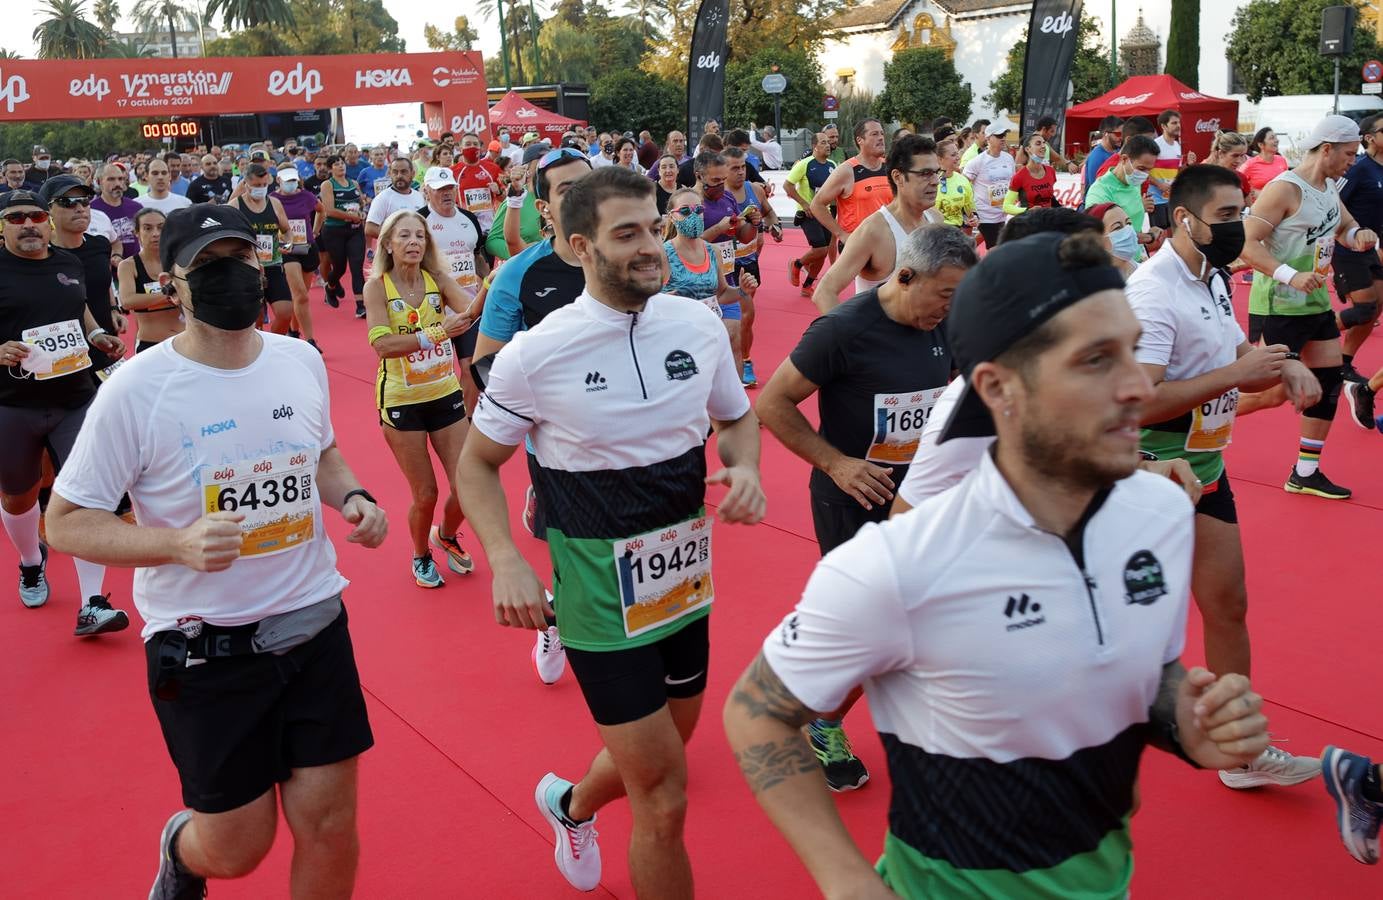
(274, 493)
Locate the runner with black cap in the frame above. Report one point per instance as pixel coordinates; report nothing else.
(223, 438)
(1012, 698)
(68, 201)
(47, 338)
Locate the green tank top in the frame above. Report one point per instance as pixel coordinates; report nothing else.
(1305, 240)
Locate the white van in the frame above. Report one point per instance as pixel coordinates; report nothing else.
(1293, 117)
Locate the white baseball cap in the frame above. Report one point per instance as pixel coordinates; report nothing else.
(998, 129)
(1332, 130)
(289, 174)
(439, 177)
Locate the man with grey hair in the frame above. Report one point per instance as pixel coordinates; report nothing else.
(878, 362)
(765, 141)
(111, 181)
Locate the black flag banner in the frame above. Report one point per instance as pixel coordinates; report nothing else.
(1052, 36)
(706, 68)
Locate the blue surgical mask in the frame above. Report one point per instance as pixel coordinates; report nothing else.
(1136, 177)
(692, 226)
(1124, 243)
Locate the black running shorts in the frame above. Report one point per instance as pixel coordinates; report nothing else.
(836, 523)
(27, 433)
(1218, 503)
(277, 289)
(430, 415)
(236, 726)
(625, 685)
(1294, 331)
(1353, 274)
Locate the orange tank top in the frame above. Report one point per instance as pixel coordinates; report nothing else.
(870, 193)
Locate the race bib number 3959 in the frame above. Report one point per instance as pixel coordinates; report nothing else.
(274, 493)
(664, 574)
(65, 342)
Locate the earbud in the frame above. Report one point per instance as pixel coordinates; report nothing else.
(904, 277)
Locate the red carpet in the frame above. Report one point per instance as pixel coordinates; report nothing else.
(465, 730)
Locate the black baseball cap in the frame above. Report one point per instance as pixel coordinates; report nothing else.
(11, 199)
(1013, 290)
(59, 185)
(189, 230)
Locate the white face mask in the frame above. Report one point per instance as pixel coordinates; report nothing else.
(1137, 177)
(43, 163)
(288, 187)
(259, 193)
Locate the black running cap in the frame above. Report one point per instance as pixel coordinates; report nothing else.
(189, 230)
(1015, 288)
(59, 185)
(11, 199)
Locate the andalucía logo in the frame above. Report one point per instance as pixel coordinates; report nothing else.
(1143, 578)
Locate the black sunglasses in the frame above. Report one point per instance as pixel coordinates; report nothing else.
(72, 202)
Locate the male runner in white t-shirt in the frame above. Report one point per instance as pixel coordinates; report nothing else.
(222, 436)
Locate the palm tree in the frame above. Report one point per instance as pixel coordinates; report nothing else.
(251, 13)
(107, 12)
(66, 33)
(512, 31)
(129, 49)
(150, 16)
(648, 12)
(9, 54)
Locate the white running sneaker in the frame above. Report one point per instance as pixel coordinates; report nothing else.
(549, 656)
(577, 854)
(1273, 766)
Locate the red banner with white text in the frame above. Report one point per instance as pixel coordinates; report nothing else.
(451, 84)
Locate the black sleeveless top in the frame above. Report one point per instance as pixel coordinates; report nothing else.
(141, 278)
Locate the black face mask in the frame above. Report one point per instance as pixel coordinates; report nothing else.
(227, 293)
(1226, 241)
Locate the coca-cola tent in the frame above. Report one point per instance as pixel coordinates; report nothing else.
(518, 115)
(1149, 95)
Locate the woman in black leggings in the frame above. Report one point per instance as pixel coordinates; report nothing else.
(342, 235)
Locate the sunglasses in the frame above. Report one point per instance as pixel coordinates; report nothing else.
(72, 202)
(560, 153)
(685, 211)
(19, 218)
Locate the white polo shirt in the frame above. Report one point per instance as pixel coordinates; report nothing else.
(1009, 674)
(389, 201)
(936, 467)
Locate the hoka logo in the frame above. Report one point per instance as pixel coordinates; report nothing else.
(217, 427)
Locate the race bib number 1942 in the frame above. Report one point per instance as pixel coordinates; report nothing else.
(664, 574)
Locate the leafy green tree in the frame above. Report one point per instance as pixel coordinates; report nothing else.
(571, 50)
(1089, 70)
(1184, 43)
(150, 16)
(84, 140)
(461, 37)
(251, 13)
(945, 95)
(754, 25)
(629, 100)
(324, 27)
(746, 102)
(1274, 47)
(107, 12)
(10, 54)
(66, 33)
(132, 48)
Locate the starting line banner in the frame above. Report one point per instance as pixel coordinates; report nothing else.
(451, 85)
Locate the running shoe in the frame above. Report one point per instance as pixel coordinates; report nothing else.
(549, 656)
(577, 853)
(332, 300)
(294, 334)
(1317, 485)
(795, 272)
(425, 572)
(844, 771)
(1361, 408)
(458, 560)
(1357, 816)
(360, 309)
(1351, 375)
(97, 617)
(1273, 766)
(807, 292)
(33, 581)
(530, 511)
(747, 377)
(173, 882)
(313, 342)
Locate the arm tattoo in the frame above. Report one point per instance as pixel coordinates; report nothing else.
(770, 764)
(762, 693)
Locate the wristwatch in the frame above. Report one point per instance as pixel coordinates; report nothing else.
(358, 492)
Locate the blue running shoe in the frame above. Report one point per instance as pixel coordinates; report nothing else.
(425, 572)
(1357, 816)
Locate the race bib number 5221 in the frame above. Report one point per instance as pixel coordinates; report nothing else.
(664, 574)
(275, 494)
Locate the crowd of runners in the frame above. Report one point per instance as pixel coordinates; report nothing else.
(1021, 406)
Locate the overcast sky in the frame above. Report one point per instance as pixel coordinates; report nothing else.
(411, 16)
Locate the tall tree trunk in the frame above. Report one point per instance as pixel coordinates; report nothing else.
(173, 35)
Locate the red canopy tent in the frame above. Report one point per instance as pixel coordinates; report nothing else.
(1149, 95)
(517, 114)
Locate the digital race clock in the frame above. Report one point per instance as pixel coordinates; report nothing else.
(183, 128)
